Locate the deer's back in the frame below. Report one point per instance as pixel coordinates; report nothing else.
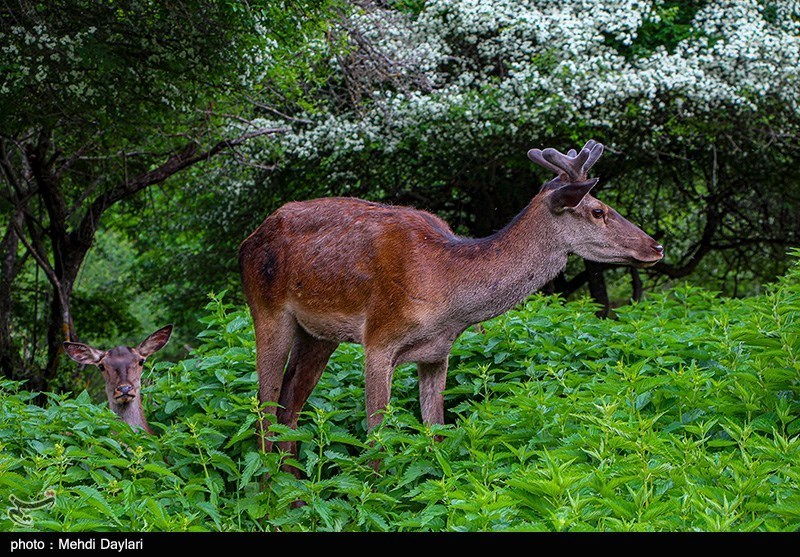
(342, 257)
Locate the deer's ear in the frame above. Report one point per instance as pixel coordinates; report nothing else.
(155, 342)
(83, 353)
(570, 195)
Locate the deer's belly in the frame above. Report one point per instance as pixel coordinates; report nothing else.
(333, 327)
(428, 346)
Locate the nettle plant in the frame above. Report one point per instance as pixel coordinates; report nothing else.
(681, 415)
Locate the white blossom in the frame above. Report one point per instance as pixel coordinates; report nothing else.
(496, 65)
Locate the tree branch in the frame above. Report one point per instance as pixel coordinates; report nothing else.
(277, 112)
(182, 159)
(40, 260)
(16, 192)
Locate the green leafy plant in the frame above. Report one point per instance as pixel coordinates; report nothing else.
(682, 414)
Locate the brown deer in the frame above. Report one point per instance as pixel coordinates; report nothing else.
(122, 371)
(398, 281)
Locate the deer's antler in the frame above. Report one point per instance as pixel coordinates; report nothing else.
(572, 167)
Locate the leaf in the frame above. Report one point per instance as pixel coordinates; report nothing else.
(346, 438)
(158, 469)
(414, 471)
(246, 430)
(211, 361)
(211, 511)
(721, 443)
(236, 324)
(500, 357)
(789, 507)
(448, 471)
(323, 509)
(223, 375)
(221, 460)
(95, 499)
(114, 462)
(83, 398)
(371, 518)
(347, 483)
(14, 480)
(87, 525)
(779, 374)
(253, 462)
(157, 511)
(643, 399)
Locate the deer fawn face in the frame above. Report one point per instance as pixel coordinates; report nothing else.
(121, 366)
(595, 231)
(122, 371)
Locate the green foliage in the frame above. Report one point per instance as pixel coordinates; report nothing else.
(100, 101)
(134, 65)
(683, 414)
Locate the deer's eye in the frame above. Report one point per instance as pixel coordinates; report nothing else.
(141, 361)
(101, 367)
(598, 213)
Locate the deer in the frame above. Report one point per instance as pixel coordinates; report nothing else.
(398, 281)
(122, 371)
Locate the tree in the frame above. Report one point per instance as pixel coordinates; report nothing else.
(102, 100)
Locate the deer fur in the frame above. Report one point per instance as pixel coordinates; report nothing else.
(399, 281)
(122, 371)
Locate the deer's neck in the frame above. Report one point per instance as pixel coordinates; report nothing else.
(132, 414)
(497, 272)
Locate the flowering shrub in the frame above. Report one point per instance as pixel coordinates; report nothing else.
(504, 66)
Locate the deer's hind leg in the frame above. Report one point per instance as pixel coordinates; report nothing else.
(274, 335)
(306, 364)
(432, 379)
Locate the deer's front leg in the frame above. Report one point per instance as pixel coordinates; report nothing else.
(432, 378)
(378, 380)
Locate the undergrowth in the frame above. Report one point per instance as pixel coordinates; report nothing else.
(681, 414)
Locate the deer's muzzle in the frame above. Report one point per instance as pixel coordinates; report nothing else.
(656, 254)
(124, 393)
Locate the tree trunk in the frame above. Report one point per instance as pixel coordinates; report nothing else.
(58, 330)
(636, 284)
(60, 326)
(597, 286)
(10, 360)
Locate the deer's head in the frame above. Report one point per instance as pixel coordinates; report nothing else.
(589, 227)
(121, 366)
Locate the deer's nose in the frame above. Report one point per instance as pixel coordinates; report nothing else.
(125, 389)
(659, 249)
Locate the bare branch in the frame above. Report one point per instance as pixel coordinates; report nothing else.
(42, 261)
(180, 160)
(278, 113)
